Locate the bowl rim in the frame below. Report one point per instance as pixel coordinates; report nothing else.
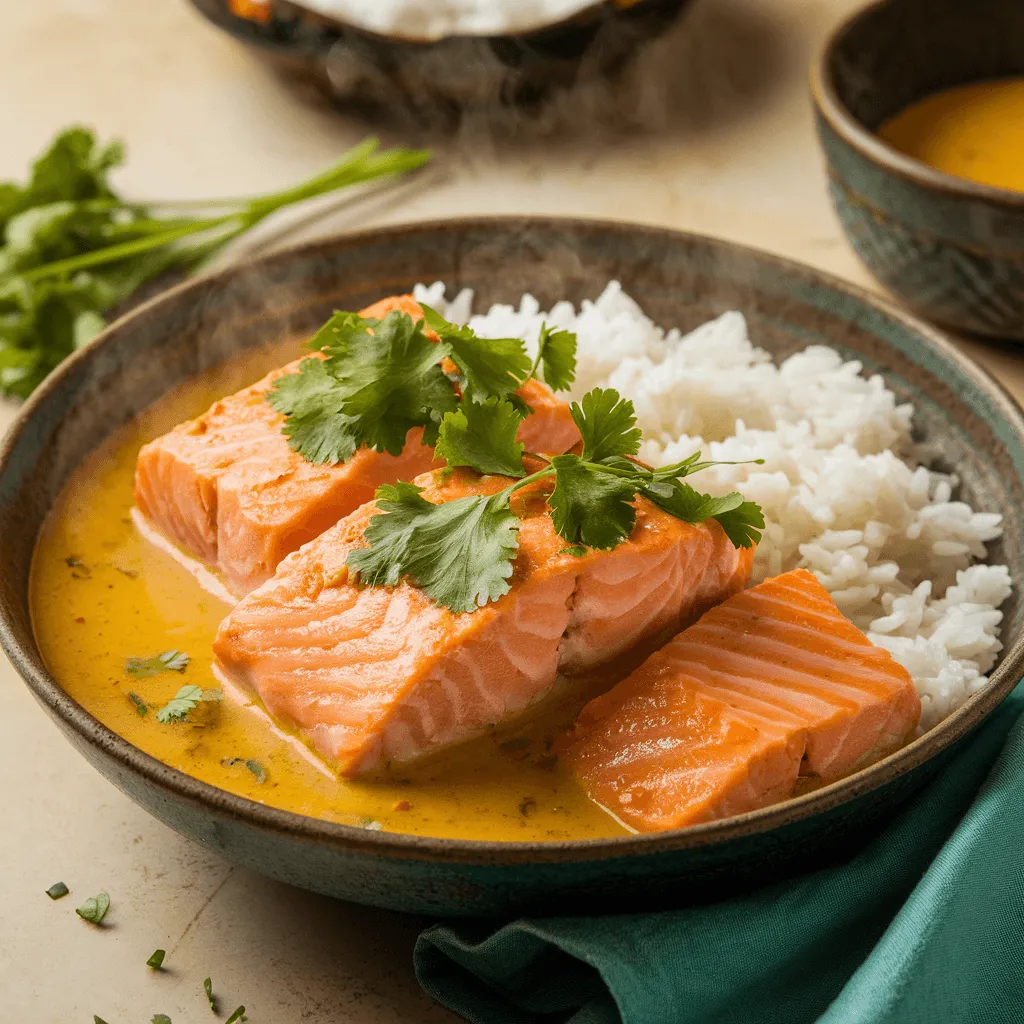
(84, 727)
(871, 146)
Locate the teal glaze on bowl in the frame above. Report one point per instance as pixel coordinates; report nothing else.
(679, 279)
(951, 249)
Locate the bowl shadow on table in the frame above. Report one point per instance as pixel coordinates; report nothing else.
(716, 63)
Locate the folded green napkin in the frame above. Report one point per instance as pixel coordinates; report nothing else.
(925, 924)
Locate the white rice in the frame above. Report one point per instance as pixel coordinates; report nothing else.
(841, 493)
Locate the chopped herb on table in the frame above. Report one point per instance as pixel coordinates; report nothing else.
(73, 249)
(160, 1018)
(208, 989)
(57, 890)
(94, 909)
(238, 1015)
(98, 1020)
(186, 700)
(156, 961)
(169, 661)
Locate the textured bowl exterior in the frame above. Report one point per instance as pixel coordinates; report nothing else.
(951, 249)
(435, 82)
(972, 425)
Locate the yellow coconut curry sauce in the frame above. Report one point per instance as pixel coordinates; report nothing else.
(974, 131)
(102, 594)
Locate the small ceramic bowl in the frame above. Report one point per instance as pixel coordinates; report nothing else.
(435, 82)
(951, 249)
(678, 279)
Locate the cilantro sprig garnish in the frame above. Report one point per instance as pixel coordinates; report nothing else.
(168, 661)
(460, 552)
(185, 701)
(376, 380)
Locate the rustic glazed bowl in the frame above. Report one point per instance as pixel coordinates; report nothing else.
(679, 280)
(951, 249)
(435, 82)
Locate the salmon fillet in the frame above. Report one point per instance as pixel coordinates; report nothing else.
(773, 683)
(228, 490)
(374, 675)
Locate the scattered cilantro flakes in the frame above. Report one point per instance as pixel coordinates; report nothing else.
(460, 552)
(156, 961)
(238, 1015)
(483, 437)
(257, 770)
(160, 1018)
(556, 353)
(140, 705)
(186, 700)
(94, 909)
(98, 1020)
(208, 989)
(590, 507)
(169, 661)
(57, 890)
(607, 424)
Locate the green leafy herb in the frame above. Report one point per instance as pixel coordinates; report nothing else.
(169, 661)
(257, 770)
(556, 353)
(238, 1015)
(73, 249)
(185, 701)
(482, 436)
(160, 1018)
(98, 1020)
(140, 705)
(94, 909)
(460, 552)
(57, 890)
(156, 961)
(208, 989)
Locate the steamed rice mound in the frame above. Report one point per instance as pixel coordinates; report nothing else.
(841, 491)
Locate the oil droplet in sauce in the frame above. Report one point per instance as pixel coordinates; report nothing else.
(974, 131)
(101, 594)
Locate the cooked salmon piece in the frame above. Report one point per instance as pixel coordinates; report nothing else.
(772, 683)
(228, 490)
(375, 675)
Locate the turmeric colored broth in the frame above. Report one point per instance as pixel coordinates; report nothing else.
(974, 131)
(101, 594)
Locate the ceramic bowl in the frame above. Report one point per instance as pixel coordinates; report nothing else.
(951, 249)
(432, 82)
(678, 279)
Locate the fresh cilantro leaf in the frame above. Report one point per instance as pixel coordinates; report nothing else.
(460, 552)
(186, 700)
(557, 355)
(238, 1015)
(57, 890)
(483, 437)
(98, 1020)
(591, 507)
(94, 909)
(312, 400)
(342, 332)
(208, 989)
(156, 961)
(743, 525)
(169, 661)
(393, 382)
(488, 367)
(257, 770)
(742, 520)
(160, 1018)
(607, 423)
(140, 705)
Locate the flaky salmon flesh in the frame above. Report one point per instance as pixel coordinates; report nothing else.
(228, 490)
(772, 684)
(371, 676)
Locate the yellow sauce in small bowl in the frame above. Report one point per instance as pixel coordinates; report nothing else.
(974, 131)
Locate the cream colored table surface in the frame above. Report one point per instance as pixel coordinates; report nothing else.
(734, 156)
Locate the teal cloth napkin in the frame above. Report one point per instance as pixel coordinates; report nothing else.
(923, 926)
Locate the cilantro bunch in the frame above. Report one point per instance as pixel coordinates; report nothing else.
(378, 379)
(73, 249)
